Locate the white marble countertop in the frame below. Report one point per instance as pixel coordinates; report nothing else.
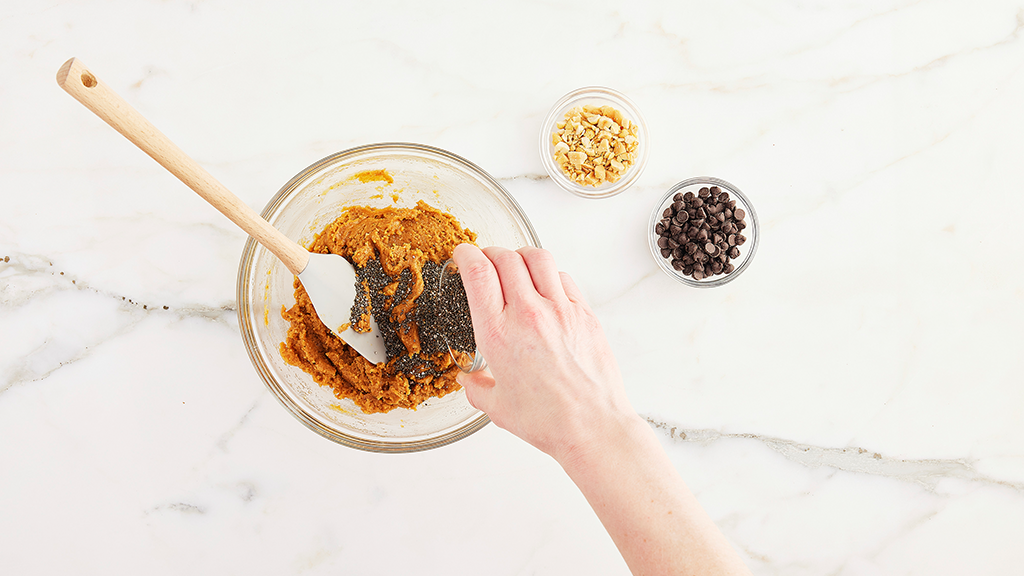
(852, 404)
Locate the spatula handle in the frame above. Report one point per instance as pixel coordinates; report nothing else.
(85, 87)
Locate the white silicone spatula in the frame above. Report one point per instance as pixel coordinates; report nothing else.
(328, 279)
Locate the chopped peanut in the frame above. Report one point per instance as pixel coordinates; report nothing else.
(595, 145)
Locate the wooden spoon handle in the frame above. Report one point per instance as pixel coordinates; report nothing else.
(85, 87)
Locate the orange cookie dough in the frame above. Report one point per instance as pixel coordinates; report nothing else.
(392, 249)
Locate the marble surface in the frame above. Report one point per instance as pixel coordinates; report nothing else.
(853, 404)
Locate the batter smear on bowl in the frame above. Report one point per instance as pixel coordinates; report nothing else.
(398, 254)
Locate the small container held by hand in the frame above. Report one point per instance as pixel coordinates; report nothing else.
(456, 325)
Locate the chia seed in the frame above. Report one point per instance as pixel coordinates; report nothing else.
(456, 325)
(440, 314)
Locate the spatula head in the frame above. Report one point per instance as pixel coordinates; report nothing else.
(330, 281)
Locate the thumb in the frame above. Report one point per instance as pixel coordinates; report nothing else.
(479, 388)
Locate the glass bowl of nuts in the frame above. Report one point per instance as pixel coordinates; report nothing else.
(594, 142)
(704, 232)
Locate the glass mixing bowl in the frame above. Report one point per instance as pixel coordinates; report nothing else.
(303, 207)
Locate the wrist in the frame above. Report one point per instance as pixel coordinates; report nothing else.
(615, 436)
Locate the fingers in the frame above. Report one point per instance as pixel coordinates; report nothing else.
(544, 272)
(572, 291)
(516, 283)
(483, 287)
(479, 387)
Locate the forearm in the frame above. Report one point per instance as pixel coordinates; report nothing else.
(653, 518)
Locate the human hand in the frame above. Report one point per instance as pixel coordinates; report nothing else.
(553, 382)
(552, 379)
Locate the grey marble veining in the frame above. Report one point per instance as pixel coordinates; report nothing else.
(853, 404)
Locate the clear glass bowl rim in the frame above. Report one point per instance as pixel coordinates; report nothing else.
(244, 310)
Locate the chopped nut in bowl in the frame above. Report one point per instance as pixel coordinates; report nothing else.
(594, 142)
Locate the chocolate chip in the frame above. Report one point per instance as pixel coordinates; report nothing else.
(699, 233)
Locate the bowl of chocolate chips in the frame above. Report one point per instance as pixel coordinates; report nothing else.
(703, 232)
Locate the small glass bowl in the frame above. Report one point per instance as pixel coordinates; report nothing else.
(301, 209)
(597, 96)
(747, 251)
(466, 360)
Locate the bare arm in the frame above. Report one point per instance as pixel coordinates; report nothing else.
(553, 381)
